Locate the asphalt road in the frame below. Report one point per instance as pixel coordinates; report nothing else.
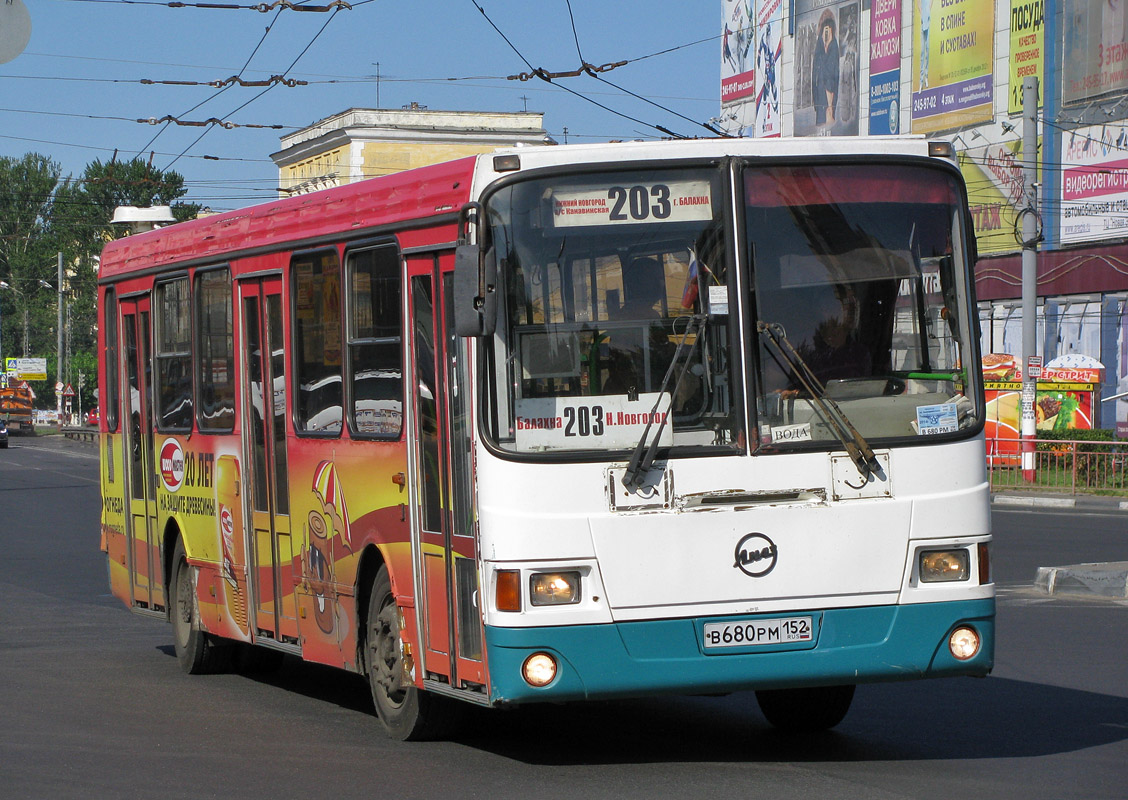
(94, 703)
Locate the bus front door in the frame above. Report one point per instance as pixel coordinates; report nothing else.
(264, 393)
(443, 524)
(142, 544)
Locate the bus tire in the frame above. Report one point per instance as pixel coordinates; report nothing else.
(407, 713)
(805, 710)
(197, 651)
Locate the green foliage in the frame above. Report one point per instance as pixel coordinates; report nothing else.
(43, 214)
(1076, 435)
(1099, 462)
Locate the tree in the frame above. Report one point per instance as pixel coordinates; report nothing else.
(86, 206)
(27, 187)
(43, 214)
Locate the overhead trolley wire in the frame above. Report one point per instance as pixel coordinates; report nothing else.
(264, 91)
(592, 71)
(288, 5)
(545, 77)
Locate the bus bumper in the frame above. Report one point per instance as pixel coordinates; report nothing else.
(850, 645)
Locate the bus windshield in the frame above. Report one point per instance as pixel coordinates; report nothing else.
(857, 280)
(602, 331)
(620, 315)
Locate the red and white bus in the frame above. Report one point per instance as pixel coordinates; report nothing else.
(563, 423)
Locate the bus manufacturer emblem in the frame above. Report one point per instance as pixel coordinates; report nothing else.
(755, 555)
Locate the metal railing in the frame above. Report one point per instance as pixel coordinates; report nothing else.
(1065, 466)
(83, 433)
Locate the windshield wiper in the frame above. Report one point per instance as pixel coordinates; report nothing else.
(856, 446)
(643, 456)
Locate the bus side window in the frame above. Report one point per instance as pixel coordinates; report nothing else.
(111, 361)
(319, 406)
(375, 371)
(174, 356)
(215, 351)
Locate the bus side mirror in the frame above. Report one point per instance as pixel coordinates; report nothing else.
(475, 291)
(475, 279)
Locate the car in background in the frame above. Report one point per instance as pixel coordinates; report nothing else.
(3, 435)
(92, 418)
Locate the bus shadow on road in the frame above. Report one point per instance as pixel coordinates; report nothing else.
(962, 718)
(918, 721)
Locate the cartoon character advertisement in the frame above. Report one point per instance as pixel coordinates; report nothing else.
(769, 51)
(738, 83)
(323, 524)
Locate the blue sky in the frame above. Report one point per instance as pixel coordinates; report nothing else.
(86, 58)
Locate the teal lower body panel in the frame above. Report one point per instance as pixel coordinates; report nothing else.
(850, 645)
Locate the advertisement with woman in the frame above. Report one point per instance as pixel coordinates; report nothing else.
(826, 68)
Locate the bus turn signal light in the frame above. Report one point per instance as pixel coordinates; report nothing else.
(507, 589)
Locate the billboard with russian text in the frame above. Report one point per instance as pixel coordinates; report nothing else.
(996, 190)
(953, 63)
(1094, 183)
(738, 79)
(1027, 48)
(885, 68)
(1096, 49)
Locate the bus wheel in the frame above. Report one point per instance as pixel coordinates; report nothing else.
(197, 652)
(806, 710)
(407, 712)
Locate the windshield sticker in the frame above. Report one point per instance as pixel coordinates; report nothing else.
(678, 201)
(718, 300)
(778, 434)
(598, 422)
(937, 419)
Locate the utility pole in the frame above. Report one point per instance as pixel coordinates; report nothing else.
(1030, 236)
(59, 343)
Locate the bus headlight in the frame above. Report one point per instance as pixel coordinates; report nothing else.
(554, 588)
(964, 642)
(539, 669)
(940, 566)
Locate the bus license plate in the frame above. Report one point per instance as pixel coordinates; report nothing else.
(783, 630)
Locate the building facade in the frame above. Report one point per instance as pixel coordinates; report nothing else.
(365, 143)
(954, 69)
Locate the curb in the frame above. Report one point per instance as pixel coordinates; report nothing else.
(1106, 580)
(1086, 502)
(1028, 502)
